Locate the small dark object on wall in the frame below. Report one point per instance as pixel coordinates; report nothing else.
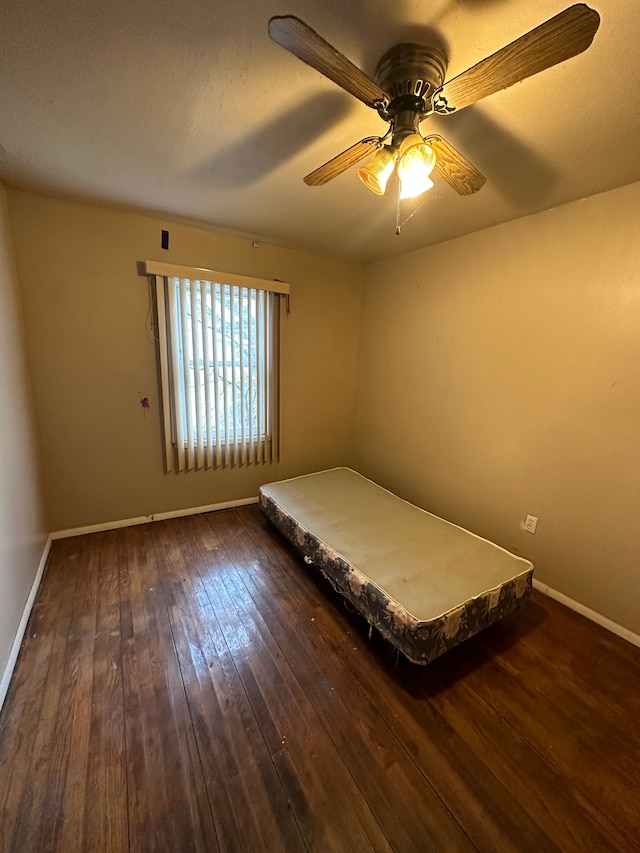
(165, 239)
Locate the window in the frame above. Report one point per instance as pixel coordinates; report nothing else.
(219, 344)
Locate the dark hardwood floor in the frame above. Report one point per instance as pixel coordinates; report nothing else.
(191, 685)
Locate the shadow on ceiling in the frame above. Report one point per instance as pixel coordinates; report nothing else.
(517, 172)
(259, 152)
(424, 34)
(428, 32)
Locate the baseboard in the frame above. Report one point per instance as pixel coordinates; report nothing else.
(145, 519)
(625, 633)
(22, 627)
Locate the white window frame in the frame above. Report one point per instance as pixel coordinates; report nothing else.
(195, 438)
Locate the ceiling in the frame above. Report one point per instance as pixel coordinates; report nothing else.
(187, 108)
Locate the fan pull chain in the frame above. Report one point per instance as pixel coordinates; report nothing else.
(402, 214)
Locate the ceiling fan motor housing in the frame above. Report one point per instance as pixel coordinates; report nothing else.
(410, 74)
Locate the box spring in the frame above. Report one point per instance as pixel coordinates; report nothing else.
(424, 583)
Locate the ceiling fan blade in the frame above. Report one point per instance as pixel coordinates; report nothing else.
(337, 165)
(559, 38)
(298, 38)
(457, 171)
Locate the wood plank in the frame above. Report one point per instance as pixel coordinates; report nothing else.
(22, 712)
(441, 758)
(318, 766)
(71, 752)
(406, 807)
(168, 805)
(351, 735)
(38, 819)
(600, 762)
(559, 639)
(192, 685)
(105, 808)
(569, 817)
(573, 814)
(244, 789)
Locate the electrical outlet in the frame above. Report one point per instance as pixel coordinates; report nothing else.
(530, 523)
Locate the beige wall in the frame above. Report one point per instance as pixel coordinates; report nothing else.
(500, 375)
(92, 359)
(22, 527)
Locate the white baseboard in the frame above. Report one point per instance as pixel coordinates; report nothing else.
(145, 519)
(22, 627)
(625, 633)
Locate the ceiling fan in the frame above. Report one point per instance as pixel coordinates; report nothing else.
(409, 86)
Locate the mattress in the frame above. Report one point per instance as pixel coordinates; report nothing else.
(424, 583)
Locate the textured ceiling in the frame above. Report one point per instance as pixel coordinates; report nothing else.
(187, 108)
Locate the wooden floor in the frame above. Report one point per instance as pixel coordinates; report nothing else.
(190, 685)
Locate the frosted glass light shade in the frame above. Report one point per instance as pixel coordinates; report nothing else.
(377, 171)
(415, 164)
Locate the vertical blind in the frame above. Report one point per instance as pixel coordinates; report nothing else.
(219, 346)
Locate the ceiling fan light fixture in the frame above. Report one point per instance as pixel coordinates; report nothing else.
(410, 84)
(375, 174)
(415, 164)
